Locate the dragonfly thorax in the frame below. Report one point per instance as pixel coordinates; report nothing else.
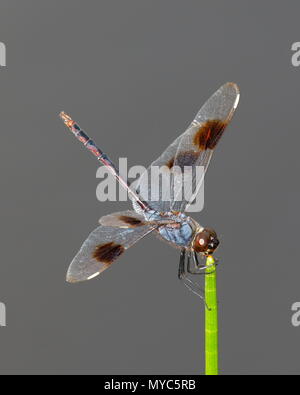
(176, 228)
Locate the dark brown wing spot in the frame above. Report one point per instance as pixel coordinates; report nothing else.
(170, 164)
(132, 221)
(108, 253)
(209, 134)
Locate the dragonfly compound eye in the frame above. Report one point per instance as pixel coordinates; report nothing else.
(206, 241)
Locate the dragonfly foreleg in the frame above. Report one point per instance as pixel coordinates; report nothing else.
(195, 267)
(192, 286)
(198, 264)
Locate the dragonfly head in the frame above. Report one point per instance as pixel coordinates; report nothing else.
(206, 241)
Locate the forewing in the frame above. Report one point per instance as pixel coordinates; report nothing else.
(197, 145)
(158, 198)
(103, 246)
(193, 148)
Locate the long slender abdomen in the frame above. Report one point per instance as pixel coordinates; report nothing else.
(101, 157)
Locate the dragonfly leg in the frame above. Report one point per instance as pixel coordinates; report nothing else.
(181, 270)
(196, 267)
(198, 264)
(192, 286)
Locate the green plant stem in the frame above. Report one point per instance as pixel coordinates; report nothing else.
(211, 319)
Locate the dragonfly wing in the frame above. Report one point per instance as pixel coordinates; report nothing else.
(193, 148)
(130, 219)
(103, 246)
(199, 141)
(123, 219)
(158, 198)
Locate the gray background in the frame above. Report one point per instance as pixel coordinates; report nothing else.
(133, 73)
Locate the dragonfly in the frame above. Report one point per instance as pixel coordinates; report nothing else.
(166, 217)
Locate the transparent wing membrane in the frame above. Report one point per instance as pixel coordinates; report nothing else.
(123, 219)
(194, 148)
(102, 248)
